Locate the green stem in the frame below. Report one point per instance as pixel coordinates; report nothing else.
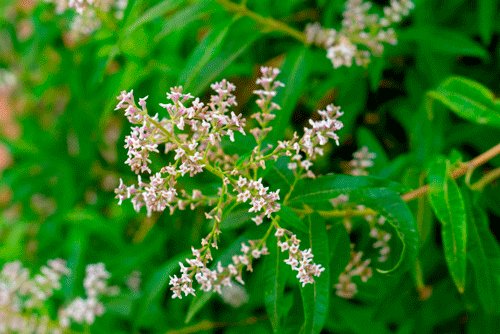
(268, 22)
(336, 213)
(179, 144)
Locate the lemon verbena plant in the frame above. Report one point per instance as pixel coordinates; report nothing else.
(192, 134)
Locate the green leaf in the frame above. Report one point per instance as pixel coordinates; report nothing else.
(315, 296)
(294, 73)
(365, 137)
(275, 275)
(444, 41)
(323, 188)
(280, 177)
(380, 195)
(487, 10)
(236, 219)
(201, 298)
(448, 205)
(483, 253)
(340, 251)
(157, 284)
(290, 220)
(389, 204)
(203, 53)
(185, 16)
(375, 71)
(229, 53)
(153, 13)
(468, 99)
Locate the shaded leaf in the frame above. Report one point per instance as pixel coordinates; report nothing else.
(280, 177)
(487, 10)
(365, 137)
(444, 41)
(228, 54)
(157, 284)
(153, 13)
(293, 74)
(204, 51)
(182, 18)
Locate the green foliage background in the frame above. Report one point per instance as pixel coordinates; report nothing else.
(427, 104)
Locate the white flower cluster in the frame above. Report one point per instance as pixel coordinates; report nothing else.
(192, 135)
(84, 311)
(193, 132)
(86, 20)
(362, 34)
(21, 297)
(260, 199)
(312, 140)
(7, 79)
(299, 260)
(346, 288)
(214, 280)
(363, 159)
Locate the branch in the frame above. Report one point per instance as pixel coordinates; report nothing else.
(268, 22)
(474, 163)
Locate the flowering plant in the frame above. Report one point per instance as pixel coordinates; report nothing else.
(194, 132)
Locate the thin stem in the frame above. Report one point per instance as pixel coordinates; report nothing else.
(336, 213)
(488, 178)
(179, 144)
(268, 22)
(474, 163)
(207, 325)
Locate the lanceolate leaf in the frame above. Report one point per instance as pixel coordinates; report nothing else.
(204, 52)
(366, 138)
(280, 177)
(487, 10)
(275, 275)
(380, 195)
(448, 205)
(468, 99)
(157, 284)
(185, 16)
(153, 13)
(483, 253)
(228, 54)
(444, 41)
(315, 296)
(290, 220)
(294, 76)
(323, 188)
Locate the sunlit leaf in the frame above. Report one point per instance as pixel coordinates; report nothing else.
(449, 207)
(468, 99)
(275, 275)
(315, 296)
(483, 253)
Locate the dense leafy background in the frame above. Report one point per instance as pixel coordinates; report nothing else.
(420, 108)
